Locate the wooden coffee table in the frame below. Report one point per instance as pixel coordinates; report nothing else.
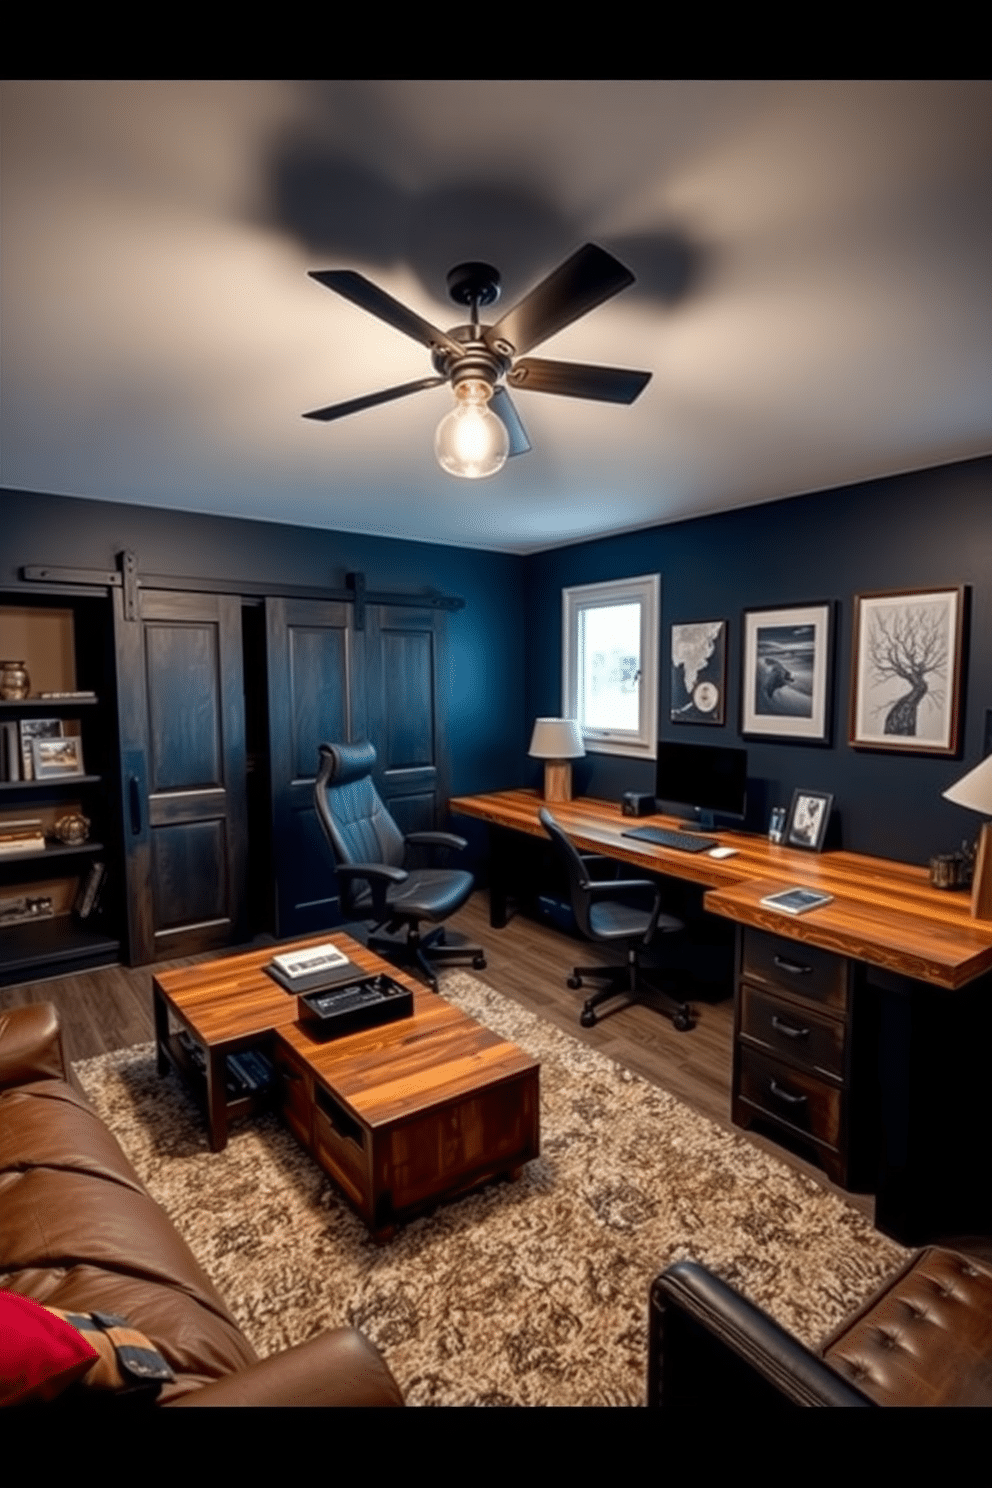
(399, 1116)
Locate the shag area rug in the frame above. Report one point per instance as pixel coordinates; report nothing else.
(525, 1293)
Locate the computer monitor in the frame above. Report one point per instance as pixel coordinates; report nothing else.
(702, 780)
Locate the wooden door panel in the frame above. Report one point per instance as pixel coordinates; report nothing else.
(309, 645)
(189, 875)
(407, 692)
(318, 684)
(182, 731)
(184, 705)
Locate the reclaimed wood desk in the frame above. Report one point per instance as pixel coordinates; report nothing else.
(863, 1026)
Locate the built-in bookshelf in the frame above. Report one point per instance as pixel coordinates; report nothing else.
(57, 912)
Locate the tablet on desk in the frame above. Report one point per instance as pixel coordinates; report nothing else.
(796, 901)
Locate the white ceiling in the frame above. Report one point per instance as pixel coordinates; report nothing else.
(813, 294)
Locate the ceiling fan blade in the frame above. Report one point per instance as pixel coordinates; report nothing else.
(575, 380)
(578, 285)
(355, 405)
(368, 296)
(502, 406)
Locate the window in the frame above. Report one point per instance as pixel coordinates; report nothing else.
(610, 664)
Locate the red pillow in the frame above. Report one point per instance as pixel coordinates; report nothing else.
(40, 1355)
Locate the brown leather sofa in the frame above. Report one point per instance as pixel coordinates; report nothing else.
(925, 1339)
(79, 1232)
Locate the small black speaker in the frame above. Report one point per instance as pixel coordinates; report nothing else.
(633, 803)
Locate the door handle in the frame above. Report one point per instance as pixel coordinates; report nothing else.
(134, 804)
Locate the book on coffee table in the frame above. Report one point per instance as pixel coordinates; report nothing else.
(316, 969)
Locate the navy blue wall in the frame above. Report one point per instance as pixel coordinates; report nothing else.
(927, 529)
(482, 693)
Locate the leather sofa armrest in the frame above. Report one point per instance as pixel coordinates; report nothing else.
(708, 1345)
(31, 1045)
(339, 1367)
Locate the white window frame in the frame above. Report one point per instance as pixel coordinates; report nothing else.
(644, 590)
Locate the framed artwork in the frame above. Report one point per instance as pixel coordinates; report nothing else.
(785, 686)
(699, 672)
(906, 670)
(31, 729)
(809, 814)
(54, 757)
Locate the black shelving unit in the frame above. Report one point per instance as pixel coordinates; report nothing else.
(61, 943)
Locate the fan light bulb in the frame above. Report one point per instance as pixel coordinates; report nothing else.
(470, 440)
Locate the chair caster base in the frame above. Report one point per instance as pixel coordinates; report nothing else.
(479, 963)
(587, 1018)
(682, 1022)
(574, 982)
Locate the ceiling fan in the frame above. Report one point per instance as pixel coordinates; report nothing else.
(476, 437)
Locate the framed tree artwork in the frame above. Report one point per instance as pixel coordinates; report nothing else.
(785, 686)
(906, 670)
(699, 672)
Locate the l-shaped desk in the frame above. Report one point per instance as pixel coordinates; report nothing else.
(869, 1020)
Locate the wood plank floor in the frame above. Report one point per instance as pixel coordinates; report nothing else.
(527, 961)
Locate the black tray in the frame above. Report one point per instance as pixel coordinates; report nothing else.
(363, 1003)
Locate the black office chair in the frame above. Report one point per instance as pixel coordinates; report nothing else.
(370, 849)
(602, 915)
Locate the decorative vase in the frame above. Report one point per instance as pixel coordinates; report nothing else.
(72, 829)
(14, 680)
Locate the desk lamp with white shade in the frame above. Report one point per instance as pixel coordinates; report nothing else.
(557, 741)
(974, 790)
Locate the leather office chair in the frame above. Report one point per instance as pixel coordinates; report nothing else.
(370, 849)
(602, 916)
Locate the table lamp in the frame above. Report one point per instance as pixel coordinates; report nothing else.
(557, 741)
(974, 790)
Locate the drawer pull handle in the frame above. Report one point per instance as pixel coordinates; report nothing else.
(787, 1028)
(794, 968)
(785, 1095)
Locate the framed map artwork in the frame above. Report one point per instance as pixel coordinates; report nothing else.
(699, 670)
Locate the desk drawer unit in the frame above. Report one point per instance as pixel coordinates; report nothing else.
(794, 1074)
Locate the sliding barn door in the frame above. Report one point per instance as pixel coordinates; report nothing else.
(311, 679)
(401, 712)
(331, 683)
(182, 736)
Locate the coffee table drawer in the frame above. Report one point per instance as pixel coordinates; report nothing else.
(296, 1093)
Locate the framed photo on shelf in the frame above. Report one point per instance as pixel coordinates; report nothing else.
(906, 670)
(54, 757)
(31, 729)
(786, 673)
(809, 814)
(699, 672)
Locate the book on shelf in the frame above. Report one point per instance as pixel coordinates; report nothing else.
(90, 890)
(10, 751)
(25, 835)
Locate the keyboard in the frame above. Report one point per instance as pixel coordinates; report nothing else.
(681, 841)
(347, 998)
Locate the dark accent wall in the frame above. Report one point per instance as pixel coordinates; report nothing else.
(482, 689)
(929, 528)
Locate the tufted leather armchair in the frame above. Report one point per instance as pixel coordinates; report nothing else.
(925, 1339)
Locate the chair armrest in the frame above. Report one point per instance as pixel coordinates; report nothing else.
(709, 1346)
(378, 876)
(436, 839)
(31, 1045)
(600, 886)
(339, 1367)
